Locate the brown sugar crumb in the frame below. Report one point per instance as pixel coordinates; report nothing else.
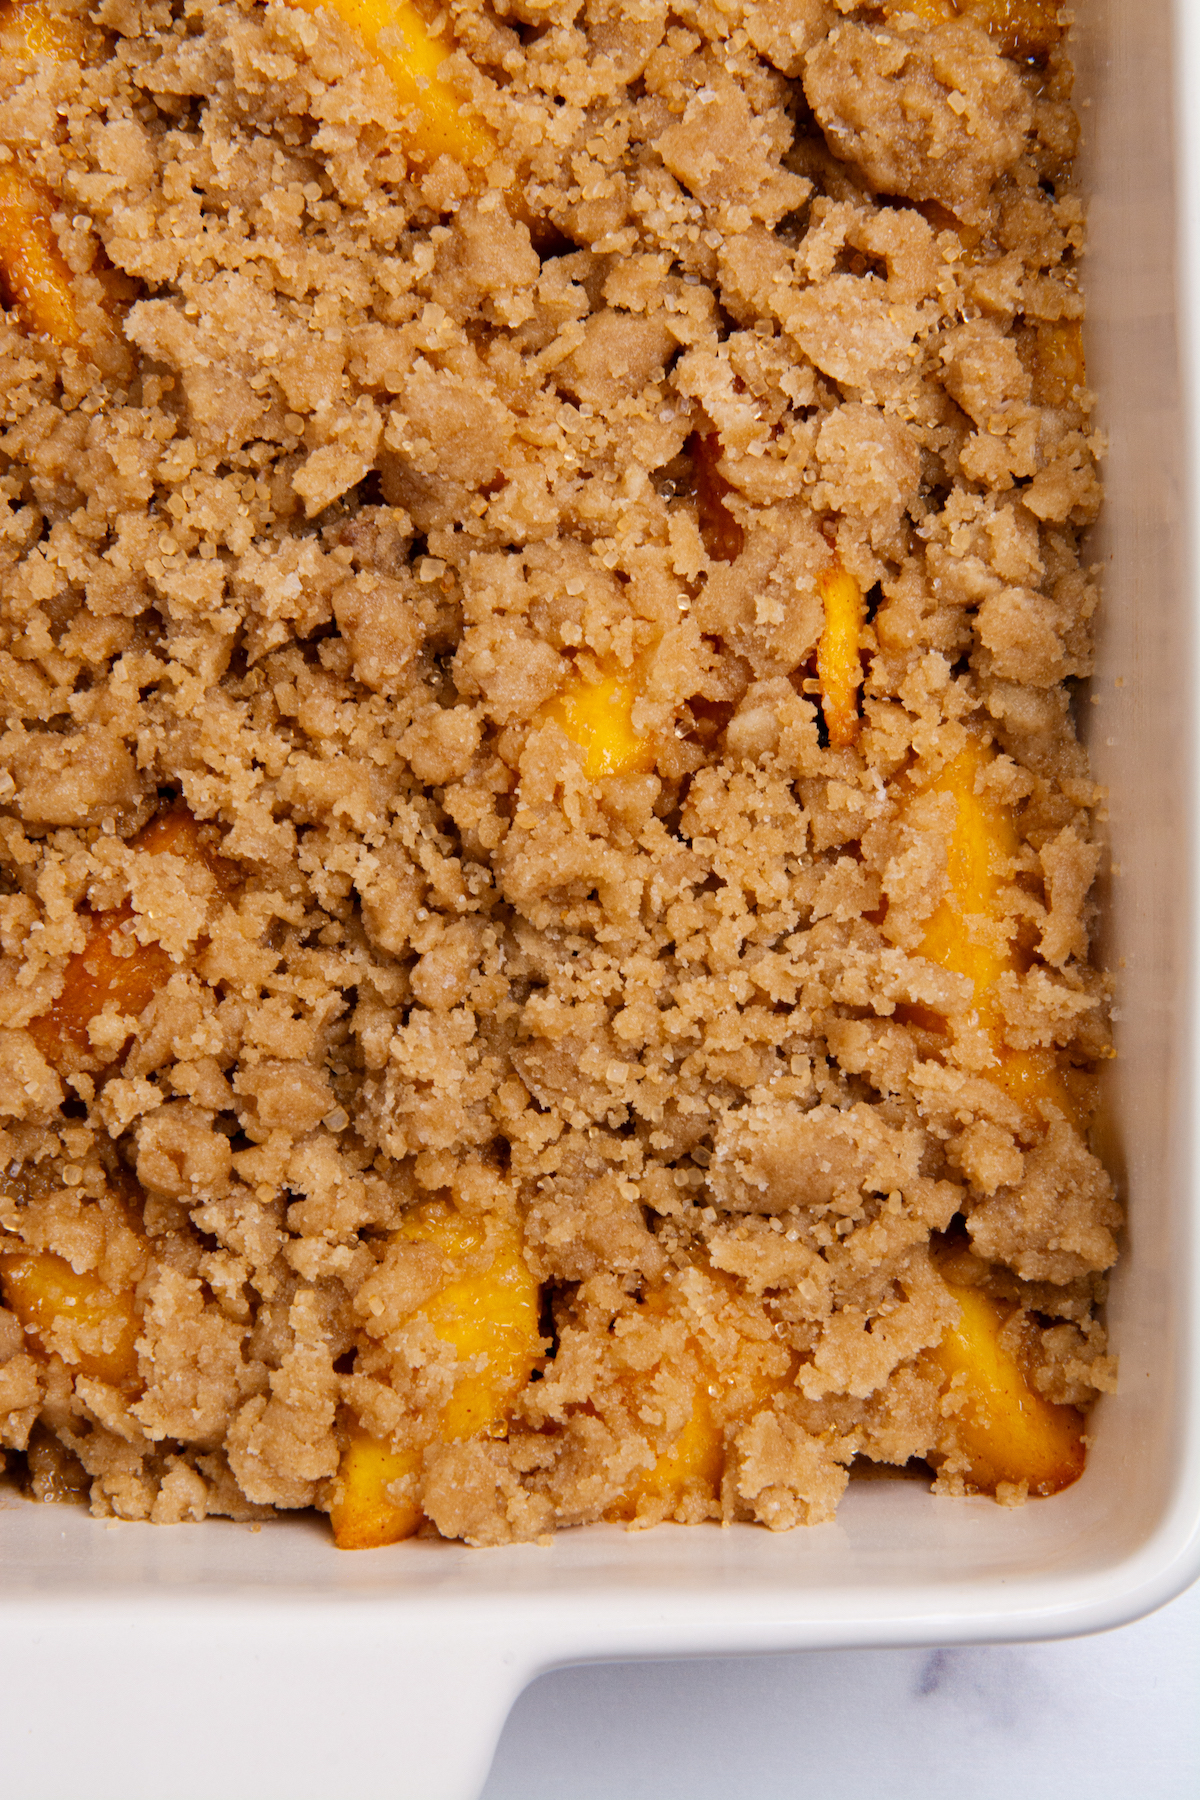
(544, 860)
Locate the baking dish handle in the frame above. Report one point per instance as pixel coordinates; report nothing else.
(178, 1694)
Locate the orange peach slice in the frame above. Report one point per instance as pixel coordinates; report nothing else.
(839, 670)
(395, 35)
(693, 1462)
(1007, 1429)
(30, 28)
(490, 1316)
(1058, 364)
(982, 848)
(696, 1460)
(598, 716)
(1025, 28)
(113, 966)
(980, 860)
(92, 1328)
(365, 1516)
(34, 277)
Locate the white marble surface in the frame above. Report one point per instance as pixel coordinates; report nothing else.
(1114, 1717)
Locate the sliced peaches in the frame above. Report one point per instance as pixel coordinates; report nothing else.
(1057, 361)
(695, 1461)
(957, 936)
(691, 1464)
(35, 279)
(31, 28)
(1025, 28)
(598, 716)
(489, 1314)
(839, 669)
(174, 830)
(1032, 1076)
(395, 35)
(113, 965)
(982, 847)
(93, 1328)
(368, 1512)
(1005, 1428)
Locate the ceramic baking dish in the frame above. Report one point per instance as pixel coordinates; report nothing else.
(146, 1664)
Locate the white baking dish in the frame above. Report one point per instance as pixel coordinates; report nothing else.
(147, 1664)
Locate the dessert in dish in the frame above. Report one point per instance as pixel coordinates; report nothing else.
(546, 859)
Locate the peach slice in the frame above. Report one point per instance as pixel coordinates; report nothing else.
(982, 848)
(30, 28)
(1022, 28)
(490, 1316)
(598, 716)
(1007, 1429)
(693, 1462)
(696, 1460)
(980, 860)
(365, 1516)
(35, 279)
(839, 670)
(113, 966)
(395, 35)
(1057, 359)
(92, 1328)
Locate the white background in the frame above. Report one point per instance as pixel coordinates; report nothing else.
(1107, 1718)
